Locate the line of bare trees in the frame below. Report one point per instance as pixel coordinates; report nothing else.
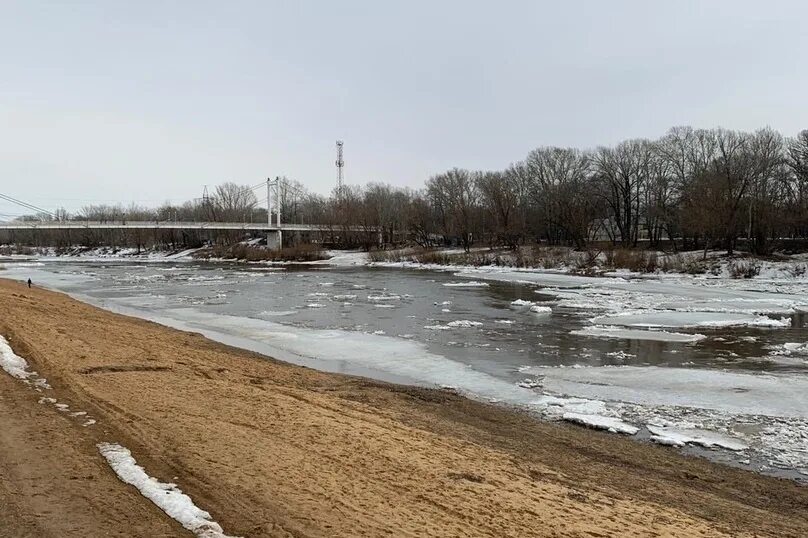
(691, 187)
(697, 187)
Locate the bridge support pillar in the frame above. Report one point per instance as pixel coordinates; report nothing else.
(274, 239)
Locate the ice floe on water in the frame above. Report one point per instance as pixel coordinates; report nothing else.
(689, 319)
(276, 313)
(776, 395)
(603, 331)
(600, 422)
(468, 284)
(167, 496)
(537, 309)
(790, 348)
(464, 324)
(766, 414)
(683, 436)
(522, 302)
(386, 297)
(682, 301)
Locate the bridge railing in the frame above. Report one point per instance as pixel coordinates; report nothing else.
(176, 225)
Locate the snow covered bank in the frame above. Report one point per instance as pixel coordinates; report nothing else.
(168, 497)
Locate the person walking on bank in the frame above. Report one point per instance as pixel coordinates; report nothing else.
(29, 282)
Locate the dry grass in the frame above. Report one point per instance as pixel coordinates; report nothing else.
(240, 251)
(743, 269)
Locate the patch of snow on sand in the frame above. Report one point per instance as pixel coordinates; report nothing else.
(611, 424)
(17, 367)
(168, 497)
(12, 363)
(683, 436)
(603, 331)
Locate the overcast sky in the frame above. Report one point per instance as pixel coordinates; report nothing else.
(148, 101)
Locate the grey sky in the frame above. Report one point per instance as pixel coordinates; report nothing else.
(148, 101)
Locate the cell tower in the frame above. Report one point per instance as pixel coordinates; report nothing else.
(340, 165)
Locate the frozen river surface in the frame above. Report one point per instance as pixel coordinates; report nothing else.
(717, 366)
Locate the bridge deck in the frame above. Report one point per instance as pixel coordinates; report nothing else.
(172, 225)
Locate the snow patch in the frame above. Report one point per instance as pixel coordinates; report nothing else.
(168, 497)
(12, 363)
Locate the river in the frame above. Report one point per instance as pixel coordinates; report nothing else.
(719, 367)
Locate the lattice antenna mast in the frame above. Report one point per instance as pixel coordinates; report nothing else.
(340, 166)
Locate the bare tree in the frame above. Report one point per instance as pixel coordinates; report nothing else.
(233, 202)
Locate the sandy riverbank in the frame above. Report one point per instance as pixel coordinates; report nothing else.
(272, 449)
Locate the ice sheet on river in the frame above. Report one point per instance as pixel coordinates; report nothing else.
(774, 395)
(683, 436)
(637, 334)
(690, 319)
(670, 302)
(401, 359)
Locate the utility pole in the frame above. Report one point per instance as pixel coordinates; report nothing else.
(340, 165)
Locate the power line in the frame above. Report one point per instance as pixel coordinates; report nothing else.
(25, 204)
